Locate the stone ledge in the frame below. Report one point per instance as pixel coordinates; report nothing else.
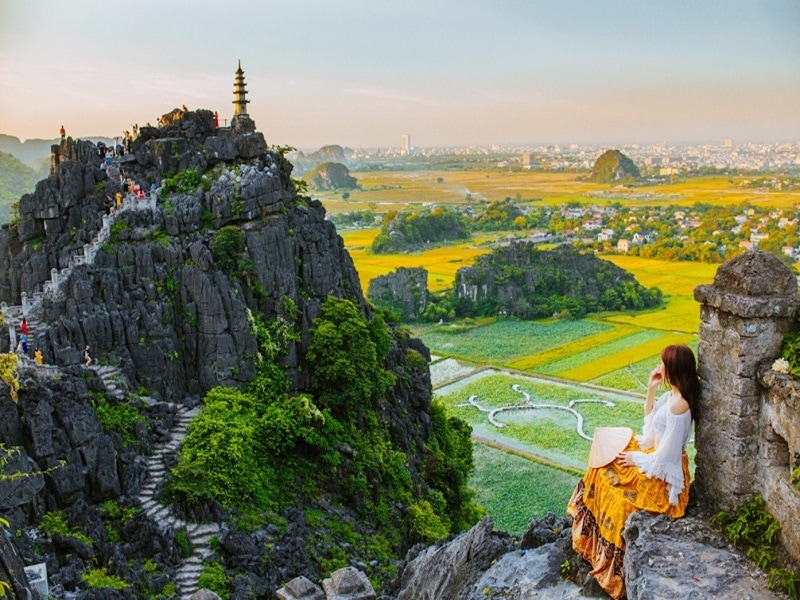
(747, 306)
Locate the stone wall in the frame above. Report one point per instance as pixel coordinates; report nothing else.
(747, 431)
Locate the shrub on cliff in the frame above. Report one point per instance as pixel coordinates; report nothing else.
(249, 448)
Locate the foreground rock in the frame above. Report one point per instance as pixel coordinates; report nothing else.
(686, 559)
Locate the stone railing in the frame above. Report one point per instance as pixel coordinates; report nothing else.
(747, 432)
(31, 304)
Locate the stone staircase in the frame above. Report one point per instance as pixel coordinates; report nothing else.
(32, 303)
(199, 535)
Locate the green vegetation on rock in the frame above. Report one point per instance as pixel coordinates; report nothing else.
(413, 230)
(262, 449)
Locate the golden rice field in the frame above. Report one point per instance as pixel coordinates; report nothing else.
(614, 361)
(394, 190)
(529, 363)
(441, 263)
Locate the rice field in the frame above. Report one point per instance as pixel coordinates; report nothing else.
(394, 190)
(610, 350)
(441, 263)
(549, 433)
(513, 490)
(514, 478)
(507, 341)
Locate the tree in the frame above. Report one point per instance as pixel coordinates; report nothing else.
(347, 354)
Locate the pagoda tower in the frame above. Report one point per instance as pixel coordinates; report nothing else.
(241, 120)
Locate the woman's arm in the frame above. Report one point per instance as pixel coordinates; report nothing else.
(653, 383)
(666, 462)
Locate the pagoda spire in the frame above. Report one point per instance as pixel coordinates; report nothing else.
(240, 100)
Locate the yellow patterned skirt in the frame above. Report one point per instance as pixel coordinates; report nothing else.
(600, 505)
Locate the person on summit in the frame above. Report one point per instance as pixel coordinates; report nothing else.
(63, 132)
(630, 473)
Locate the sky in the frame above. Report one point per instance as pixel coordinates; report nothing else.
(362, 73)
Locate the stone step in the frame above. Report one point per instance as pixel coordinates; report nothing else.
(188, 578)
(202, 529)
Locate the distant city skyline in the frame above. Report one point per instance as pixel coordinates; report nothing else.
(362, 73)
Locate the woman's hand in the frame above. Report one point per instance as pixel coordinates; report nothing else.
(656, 377)
(624, 459)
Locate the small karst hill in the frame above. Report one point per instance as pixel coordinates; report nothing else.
(614, 167)
(326, 154)
(331, 176)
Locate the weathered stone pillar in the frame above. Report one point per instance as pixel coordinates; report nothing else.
(744, 316)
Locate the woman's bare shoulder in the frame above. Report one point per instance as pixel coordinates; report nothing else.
(678, 406)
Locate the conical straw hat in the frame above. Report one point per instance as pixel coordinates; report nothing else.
(607, 443)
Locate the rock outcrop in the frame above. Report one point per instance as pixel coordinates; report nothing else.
(405, 291)
(520, 280)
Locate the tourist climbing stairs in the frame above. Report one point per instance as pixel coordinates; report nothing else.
(31, 306)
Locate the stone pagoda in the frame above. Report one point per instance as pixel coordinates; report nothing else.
(241, 120)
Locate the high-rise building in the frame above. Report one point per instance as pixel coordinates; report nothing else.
(527, 160)
(405, 144)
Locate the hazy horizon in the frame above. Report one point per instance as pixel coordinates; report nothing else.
(449, 73)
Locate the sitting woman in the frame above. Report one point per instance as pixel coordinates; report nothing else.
(651, 473)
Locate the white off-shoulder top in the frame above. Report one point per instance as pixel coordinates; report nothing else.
(667, 433)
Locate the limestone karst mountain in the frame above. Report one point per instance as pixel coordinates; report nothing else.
(172, 285)
(172, 290)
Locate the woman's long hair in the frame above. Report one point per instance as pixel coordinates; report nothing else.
(680, 370)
